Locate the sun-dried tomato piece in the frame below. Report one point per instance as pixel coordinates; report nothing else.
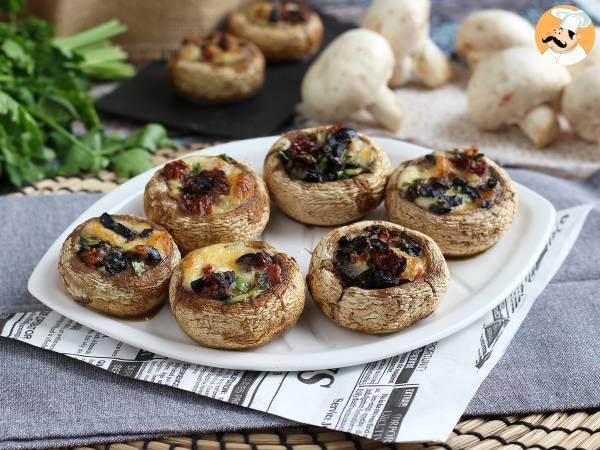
(93, 257)
(274, 273)
(303, 144)
(478, 166)
(210, 52)
(226, 41)
(198, 203)
(388, 261)
(175, 170)
(205, 181)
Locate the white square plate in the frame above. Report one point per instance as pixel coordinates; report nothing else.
(478, 284)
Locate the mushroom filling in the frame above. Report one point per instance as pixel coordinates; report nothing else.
(456, 181)
(253, 273)
(130, 251)
(208, 185)
(378, 258)
(278, 12)
(217, 48)
(328, 154)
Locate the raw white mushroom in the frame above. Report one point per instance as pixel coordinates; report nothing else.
(352, 73)
(581, 103)
(485, 32)
(405, 24)
(517, 86)
(592, 59)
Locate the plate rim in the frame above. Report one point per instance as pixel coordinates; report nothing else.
(247, 360)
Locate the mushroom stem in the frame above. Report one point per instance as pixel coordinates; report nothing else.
(431, 65)
(386, 109)
(541, 125)
(402, 72)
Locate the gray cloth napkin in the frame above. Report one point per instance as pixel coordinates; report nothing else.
(553, 363)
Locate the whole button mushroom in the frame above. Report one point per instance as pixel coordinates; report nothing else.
(405, 24)
(352, 73)
(581, 103)
(517, 86)
(487, 31)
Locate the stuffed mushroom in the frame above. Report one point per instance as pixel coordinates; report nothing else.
(377, 277)
(118, 265)
(326, 176)
(204, 200)
(282, 30)
(237, 295)
(460, 198)
(219, 68)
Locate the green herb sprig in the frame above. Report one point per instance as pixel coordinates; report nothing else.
(44, 84)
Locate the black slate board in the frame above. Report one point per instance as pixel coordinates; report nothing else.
(149, 97)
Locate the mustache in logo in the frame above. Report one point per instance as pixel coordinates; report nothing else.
(555, 40)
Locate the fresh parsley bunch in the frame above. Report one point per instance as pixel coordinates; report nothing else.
(44, 84)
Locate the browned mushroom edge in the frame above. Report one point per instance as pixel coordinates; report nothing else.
(282, 30)
(220, 68)
(326, 202)
(482, 214)
(138, 284)
(234, 210)
(213, 319)
(382, 310)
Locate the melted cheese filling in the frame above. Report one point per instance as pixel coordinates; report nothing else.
(237, 178)
(221, 257)
(442, 167)
(157, 239)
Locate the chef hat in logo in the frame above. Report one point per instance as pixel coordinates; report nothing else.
(571, 19)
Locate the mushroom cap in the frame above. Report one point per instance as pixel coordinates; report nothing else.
(122, 295)
(404, 23)
(328, 203)
(249, 324)
(376, 310)
(190, 230)
(457, 235)
(508, 84)
(487, 31)
(581, 103)
(282, 41)
(213, 83)
(347, 75)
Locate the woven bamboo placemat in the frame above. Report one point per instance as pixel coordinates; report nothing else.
(555, 431)
(549, 431)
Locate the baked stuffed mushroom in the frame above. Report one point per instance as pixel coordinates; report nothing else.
(203, 200)
(282, 30)
(460, 198)
(220, 68)
(327, 175)
(377, 277)
(237, 295)
(118, 265)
